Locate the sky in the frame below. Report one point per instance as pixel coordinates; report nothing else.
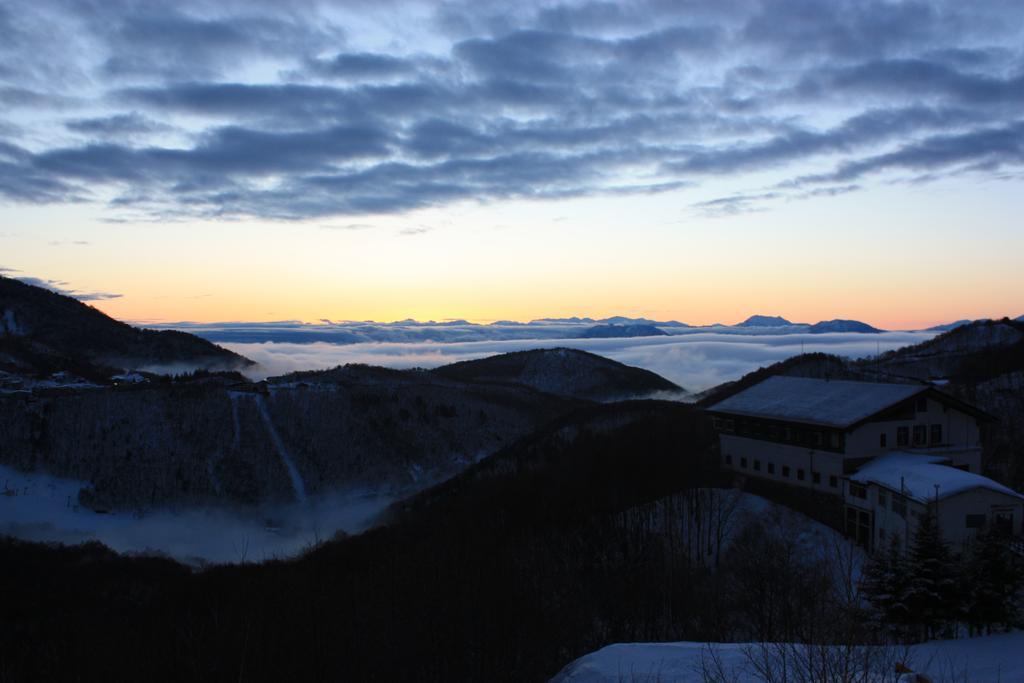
(692, 160)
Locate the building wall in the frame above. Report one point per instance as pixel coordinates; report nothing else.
(959, 431)
(896, 515)
(953, 511)
(762, 456)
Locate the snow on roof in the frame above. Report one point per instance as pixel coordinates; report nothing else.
(834, 403)
(917, 475)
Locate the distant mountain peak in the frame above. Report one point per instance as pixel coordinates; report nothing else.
(561, 371)
(840, 325)
(627, 330)
(764, 321)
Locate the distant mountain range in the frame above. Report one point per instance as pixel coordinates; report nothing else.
(411, 331)
(823, 327)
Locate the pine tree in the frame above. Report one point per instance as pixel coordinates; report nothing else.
(930, 594)
(884, 585)
(994, 582)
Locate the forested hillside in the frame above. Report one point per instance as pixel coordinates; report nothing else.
(554, 546)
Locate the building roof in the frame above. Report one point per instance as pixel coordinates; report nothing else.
(832, 403)
(917, 475)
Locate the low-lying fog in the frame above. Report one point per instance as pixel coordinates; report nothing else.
(39, 507)
(695, 361)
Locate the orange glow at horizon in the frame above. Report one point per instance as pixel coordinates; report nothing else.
(916, 267)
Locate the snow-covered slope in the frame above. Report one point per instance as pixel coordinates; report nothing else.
(990, 659)
(562, 372)
(711, 526)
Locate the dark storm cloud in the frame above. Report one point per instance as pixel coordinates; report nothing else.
(299, 111)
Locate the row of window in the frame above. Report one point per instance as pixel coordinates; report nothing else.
(971, 521)
(899, 503)
(924, 435)
(801, 474)
(767, 431)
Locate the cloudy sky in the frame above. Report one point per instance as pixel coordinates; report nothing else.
(687, 160)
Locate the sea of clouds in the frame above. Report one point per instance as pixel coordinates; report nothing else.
(695, 361)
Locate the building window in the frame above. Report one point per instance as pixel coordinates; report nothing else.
(785, 470)
(920, 435)
(817, 438)
(975, 521)
(858, 525)
(816, 477)
(728, 459)
(922, 405)
(903, 436)
(882, 498)
(743, 463)
(935, 435)
(1003, 522)
(899, 506)
(858, 491)
(771, 468)
(833, 481)
(882, 439)
(757, 465)
(800, 475)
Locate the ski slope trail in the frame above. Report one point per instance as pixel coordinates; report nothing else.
(293, 472)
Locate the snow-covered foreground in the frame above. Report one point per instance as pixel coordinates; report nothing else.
(39, 507)
(990, 659)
